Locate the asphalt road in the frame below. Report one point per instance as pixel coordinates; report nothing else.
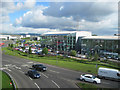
(54, 77)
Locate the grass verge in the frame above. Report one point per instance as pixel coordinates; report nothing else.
(87, 86)
(6, 81)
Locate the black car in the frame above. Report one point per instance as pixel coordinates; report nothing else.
(33, 74)
(39, 67)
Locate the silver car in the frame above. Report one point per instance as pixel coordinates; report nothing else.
(90, 78)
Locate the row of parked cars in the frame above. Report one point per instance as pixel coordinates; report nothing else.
(34, 72)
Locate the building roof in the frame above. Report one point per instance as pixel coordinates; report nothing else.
(102, 37)
(63, 32)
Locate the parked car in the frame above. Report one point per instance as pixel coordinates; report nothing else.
(109, 73)
(90, 78)
(39, 67)
(33, 74)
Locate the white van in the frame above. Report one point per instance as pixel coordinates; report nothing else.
(109, 73)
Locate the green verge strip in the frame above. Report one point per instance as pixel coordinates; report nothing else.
(7, 82)
(87, 85)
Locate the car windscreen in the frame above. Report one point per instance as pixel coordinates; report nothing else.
(94, 77)
(34, 72)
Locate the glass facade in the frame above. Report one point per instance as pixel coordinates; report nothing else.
(90, 46)
(60, 42)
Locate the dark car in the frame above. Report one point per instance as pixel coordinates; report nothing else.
(33, 74)
(39, 67)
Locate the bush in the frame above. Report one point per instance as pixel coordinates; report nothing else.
(30, 51)
(73, 53)
(45, 51)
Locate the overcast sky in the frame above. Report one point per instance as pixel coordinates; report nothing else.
(31, 16)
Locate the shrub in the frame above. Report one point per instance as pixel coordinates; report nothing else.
(45, 51)
(73, 53)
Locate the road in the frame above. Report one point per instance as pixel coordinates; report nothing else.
(54, 77)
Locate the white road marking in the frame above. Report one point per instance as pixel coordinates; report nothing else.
(30, 78)
(17, 67)
(37, 86)
(21, 71)
(7, 65)
(44, 75)
(54, 71)
(8, 69)
(25, 65)
(3, 68)
(55, 84)
(29, 62)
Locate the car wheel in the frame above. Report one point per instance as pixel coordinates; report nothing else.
(83, 80)
(95, 82)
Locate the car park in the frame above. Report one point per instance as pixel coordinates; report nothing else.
(33, 74)
(39, 67)
(90, 78)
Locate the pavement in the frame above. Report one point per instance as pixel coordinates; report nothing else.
(54, 77)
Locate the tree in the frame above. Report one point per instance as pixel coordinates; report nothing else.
(73, 53)
(30, 51)
(96, 56)
(45, 51)
(11, 45)
(23, 48)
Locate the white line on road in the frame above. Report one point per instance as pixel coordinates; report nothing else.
(8, 69)
(25, 65)
(54, 71)
(37, 86)
(44, 75)
(21, 71)
(55, 84)
(7, 65)
(30, 78)
(29, 62)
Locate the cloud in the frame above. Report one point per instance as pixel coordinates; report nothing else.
(10, 7)
(92, 11)
(20, 29)
(36, 19)
(100, 18)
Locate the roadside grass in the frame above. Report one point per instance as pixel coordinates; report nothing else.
(82, 65)
(87, 86)
(6, 81)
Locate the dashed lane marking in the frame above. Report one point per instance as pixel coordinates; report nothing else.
(37, 86)
(21, 71)
(8, 69)
(44, 75)
(30, 78)
(29, 62)
(54, 71)
(25, 65)
(56, 84)
(7, 65)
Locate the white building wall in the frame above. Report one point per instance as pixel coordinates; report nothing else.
(83, 34)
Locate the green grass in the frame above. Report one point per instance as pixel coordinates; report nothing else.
(6, 81)
(83, 66)
(87, 86)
